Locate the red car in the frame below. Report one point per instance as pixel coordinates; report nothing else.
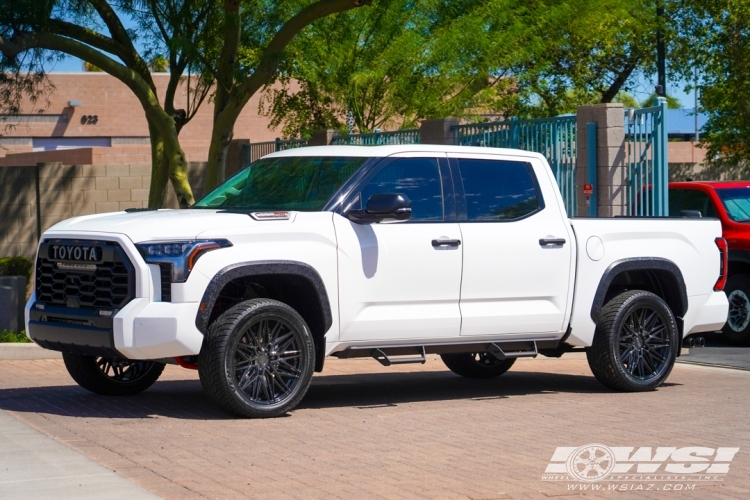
(729, 201)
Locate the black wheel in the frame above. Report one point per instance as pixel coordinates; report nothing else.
(635, 344)
(257, 359)
(737, 328)
(111, 376)
(477, 364)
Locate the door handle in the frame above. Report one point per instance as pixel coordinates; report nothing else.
(552, 242)
(445, 243)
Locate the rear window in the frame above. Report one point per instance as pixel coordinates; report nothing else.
(498, 190)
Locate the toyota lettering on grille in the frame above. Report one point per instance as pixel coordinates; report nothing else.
(74, 252)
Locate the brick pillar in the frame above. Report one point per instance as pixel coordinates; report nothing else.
(437, 131)
(322, 137)
(611, 178)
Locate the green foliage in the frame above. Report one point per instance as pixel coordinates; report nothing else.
(7, 336)
(629, 101)
(714, 35)
(16, 266)
(405, 60)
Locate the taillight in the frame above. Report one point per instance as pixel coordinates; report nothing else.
(724, 252)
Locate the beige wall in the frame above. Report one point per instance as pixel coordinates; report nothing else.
(120, 116)
(67, 191)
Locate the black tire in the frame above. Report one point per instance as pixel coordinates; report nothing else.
(635, 343)
(110, 376)
(477, 365)
(252, 370)
(737, 328)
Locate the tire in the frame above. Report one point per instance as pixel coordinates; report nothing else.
(635, 343)
(257, 359)
(110, 376)
(477, 365)
(737, 328)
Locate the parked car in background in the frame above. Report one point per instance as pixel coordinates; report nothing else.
(728, 201)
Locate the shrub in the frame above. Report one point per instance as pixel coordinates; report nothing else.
(16, 266)
(7, 336)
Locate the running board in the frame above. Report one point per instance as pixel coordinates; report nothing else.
(501, 355)
(384, 360)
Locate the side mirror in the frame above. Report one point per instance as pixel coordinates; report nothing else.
(383, 206)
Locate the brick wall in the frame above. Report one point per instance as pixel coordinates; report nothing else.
(67, 191)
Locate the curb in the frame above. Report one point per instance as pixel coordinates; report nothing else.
(9, 351)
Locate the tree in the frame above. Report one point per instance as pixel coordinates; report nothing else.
(30, 30)
(406, 60)
(714, 35)
(593, 56)
(250, 49)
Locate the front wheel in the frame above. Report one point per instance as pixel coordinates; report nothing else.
(257, 359)
(477, 365)
(111, 376)
(737, 328)
(635, 344)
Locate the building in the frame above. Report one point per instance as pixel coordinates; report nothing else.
(96, 110)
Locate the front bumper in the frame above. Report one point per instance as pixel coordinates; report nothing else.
(140, 330)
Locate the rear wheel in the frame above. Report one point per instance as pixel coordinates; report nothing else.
(112, 376)
(737, 328)
(635, 344)
(477, 364)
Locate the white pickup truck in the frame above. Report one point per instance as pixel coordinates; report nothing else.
(389, 252)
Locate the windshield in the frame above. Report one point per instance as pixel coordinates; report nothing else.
(301, 183)
(737, 203)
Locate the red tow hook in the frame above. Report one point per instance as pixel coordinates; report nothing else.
(185, 364)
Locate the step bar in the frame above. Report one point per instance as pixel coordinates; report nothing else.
(403, 354)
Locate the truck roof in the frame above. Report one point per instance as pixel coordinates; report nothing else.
(382, 151)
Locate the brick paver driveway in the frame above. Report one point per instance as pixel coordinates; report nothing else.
(365, 431)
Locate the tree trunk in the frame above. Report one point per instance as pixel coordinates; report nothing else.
(221, 136)
(164, 125)
(157, 195)
(178, 171)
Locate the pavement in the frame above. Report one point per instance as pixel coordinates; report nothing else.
(367, 431)
(33, 465)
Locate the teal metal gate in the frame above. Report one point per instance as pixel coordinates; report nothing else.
(555, 138)
(407, 136)
(646, 160)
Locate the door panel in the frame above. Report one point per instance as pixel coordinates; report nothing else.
(394, 284)
(512, 283)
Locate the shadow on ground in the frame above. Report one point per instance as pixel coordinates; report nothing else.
(185, 399)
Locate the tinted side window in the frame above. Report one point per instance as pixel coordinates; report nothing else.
(498, 190)
(417, 178)
(698, 200)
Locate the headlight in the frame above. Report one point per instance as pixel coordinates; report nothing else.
(180, 255)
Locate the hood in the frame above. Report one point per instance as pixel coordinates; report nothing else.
(157, 224)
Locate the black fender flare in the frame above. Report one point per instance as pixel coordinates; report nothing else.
(639, 264)
(243, 269)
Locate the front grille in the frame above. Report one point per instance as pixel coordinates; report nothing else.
(107, 282)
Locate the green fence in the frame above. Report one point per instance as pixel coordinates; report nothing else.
(646, 160)
(410, 136)
(256, 150)
(555, 138)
